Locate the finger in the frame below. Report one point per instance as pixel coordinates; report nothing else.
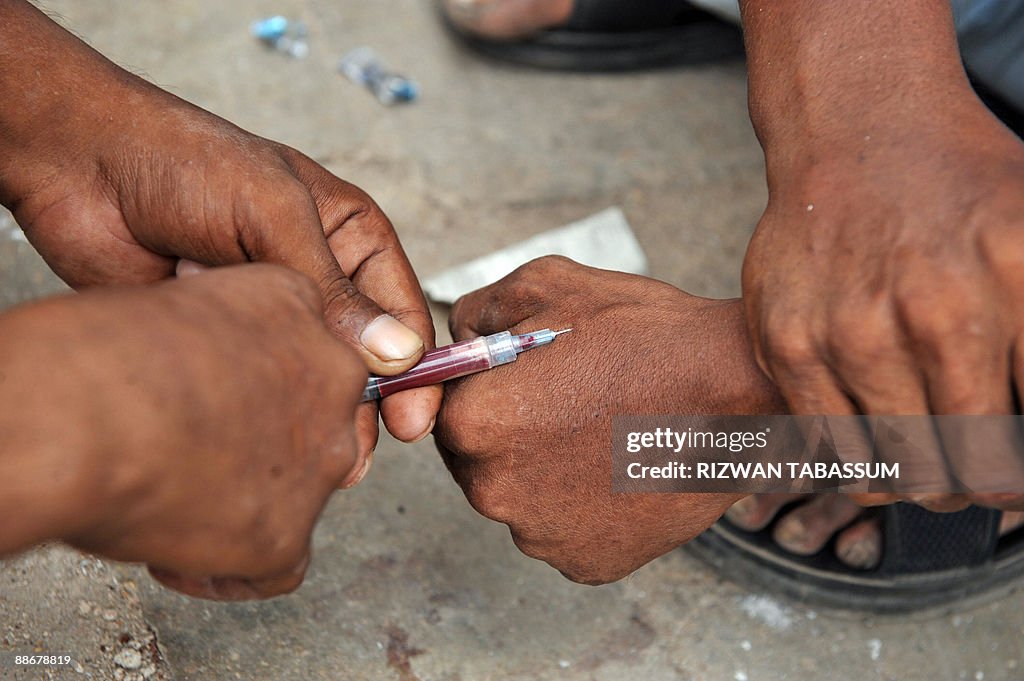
(869, 499)
(884, 382)
(500, 306)
(274, 586)
(969, 386)
(233, 588)
(188, 268)
(207, 588)
(386, 345)
(385, 275)
(810, 388)
(367, 433)
(364, 243)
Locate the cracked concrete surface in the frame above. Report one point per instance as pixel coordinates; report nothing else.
(408, 583)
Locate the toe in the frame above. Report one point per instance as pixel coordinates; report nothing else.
(507, 19)
(860, 545)
(807, 528)
(753, 513)
(1011, 520)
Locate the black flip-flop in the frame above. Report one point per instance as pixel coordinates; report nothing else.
(929, 560)
(613, 35)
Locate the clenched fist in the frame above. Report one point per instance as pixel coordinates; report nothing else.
(196, 425)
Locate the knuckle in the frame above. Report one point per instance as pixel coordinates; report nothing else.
(962, 394)
(1000, 248)
(547, 264)
(463, 425)
(859, 340)
(287, 551)
(525, 283)
(341, 458)
(282, 586)
(459, 313)
(291, 194)
(924, 315)
(795, 352)
(338, 294)
(489, 499)
(279, 200)
(533, 278)
(591, 574)
(571, 558)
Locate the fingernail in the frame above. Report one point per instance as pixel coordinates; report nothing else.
(352, 481)
(428, 431)
(390, 340)
(188, 268)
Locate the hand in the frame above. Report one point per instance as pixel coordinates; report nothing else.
(529, 443)
(117, 181)
(885, 278)
(218, 416)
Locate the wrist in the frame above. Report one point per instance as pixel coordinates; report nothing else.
(50, 448)
(826, 77)
(729, 378)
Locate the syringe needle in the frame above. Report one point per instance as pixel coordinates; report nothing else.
(460, 359)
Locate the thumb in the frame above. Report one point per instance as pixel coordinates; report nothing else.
(386, 346)
(508, 302)
(494, 308)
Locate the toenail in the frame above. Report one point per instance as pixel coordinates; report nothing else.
(792, 532)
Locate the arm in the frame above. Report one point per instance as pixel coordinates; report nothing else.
(883, 277)
(116, 181)
(825, 76)
(197, 425)
(50, 436)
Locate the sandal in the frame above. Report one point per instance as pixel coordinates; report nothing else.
(611, 35)
(929, 560)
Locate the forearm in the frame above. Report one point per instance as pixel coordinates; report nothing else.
(49, 425)
(832, 74)
(58, 96)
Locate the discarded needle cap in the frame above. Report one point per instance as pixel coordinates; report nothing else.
(283, 35)
(362, 66)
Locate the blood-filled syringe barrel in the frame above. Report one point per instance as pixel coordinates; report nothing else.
(444, 364)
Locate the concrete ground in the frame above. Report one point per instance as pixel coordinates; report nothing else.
(408, 583)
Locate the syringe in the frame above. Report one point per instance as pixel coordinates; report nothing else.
(460, 359)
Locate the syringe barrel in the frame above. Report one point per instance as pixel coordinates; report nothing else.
(444, 364)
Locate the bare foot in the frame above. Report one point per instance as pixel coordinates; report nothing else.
(507, 19)
(808, 527)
